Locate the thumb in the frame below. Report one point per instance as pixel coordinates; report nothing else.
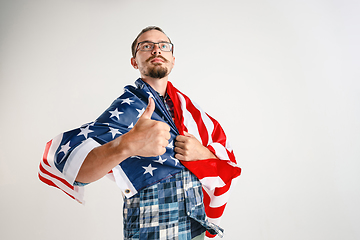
(149, 109)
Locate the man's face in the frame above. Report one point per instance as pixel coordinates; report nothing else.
(156, 63)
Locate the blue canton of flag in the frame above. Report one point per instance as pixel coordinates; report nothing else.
(118, 119)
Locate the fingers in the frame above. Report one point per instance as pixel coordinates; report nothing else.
(167, 135)
(186, 134)
(151, 137)
(189, 148)
(182, 147)
(180, 157)
(182, 143)
(163, 127)
(149, 109)
(185, 137)
(181, 139)
(182, 150)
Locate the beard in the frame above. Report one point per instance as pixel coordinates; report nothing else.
(156, 71)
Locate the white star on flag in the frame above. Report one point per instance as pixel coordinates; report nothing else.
(127, 100)
(170, 145)
(160, 160)
(175, 159)
(149, 169)
(131, 125)
(114, 131)
(65, 148)
(85, 131)
(87, 124)
(150, 95)
(141, 111)
(115, 113)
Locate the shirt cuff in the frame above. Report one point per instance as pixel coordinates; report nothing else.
(76, 159)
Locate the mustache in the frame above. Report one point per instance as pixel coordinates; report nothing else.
(156, 56)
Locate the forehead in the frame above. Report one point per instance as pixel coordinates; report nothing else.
(153, 36)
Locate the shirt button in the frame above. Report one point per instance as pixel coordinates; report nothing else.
(127, 191)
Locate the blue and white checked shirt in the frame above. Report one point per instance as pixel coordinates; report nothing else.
(171, 209)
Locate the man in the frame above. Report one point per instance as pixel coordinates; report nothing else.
(139, 140)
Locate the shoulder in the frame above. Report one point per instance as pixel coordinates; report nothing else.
(125, 108)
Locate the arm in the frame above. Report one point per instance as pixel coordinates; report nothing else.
(134, 143)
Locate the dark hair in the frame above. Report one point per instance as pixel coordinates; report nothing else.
(134, 44)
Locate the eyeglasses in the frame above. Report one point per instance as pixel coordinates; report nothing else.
(149, 46)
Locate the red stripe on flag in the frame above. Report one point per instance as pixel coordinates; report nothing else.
(46, 152)
(210, 211)
(43, 170)
(51, 183)
(214, 168)
(218, 132)
(231, 156)
(209, 235)
(220, 191)
(195, 113)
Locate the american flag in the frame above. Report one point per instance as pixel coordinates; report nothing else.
(136, 173)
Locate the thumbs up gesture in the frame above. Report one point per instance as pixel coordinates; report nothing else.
(148, 138)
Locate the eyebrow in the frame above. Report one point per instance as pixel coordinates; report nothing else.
(167, 41)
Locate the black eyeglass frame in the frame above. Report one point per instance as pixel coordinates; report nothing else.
(137, 47)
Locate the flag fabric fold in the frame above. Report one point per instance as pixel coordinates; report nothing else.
(136, 173)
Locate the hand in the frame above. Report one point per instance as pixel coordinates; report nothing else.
(148, 138)
(188, 148)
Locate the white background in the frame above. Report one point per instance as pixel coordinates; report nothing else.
(281, 76)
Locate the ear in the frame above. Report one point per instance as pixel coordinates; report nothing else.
(134, 63)
(173, 61)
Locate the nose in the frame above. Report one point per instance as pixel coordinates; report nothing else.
(156, 49)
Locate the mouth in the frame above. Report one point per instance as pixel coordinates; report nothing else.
(157, 59)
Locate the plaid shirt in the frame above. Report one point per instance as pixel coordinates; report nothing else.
(165, 210)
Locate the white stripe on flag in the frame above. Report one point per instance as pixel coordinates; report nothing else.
(189, 121)
(77, 193)
(220, 151)
(207, 121)
(77, 158)
(218, 201)
(123, 182)
(212, 182)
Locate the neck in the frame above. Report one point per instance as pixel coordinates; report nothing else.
(158, 85)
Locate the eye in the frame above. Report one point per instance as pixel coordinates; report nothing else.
(146, 46)
(164, 46)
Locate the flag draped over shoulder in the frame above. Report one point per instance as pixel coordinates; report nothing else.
(65, 153)
(217, 176)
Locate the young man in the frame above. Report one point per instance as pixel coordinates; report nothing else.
(139, 140)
